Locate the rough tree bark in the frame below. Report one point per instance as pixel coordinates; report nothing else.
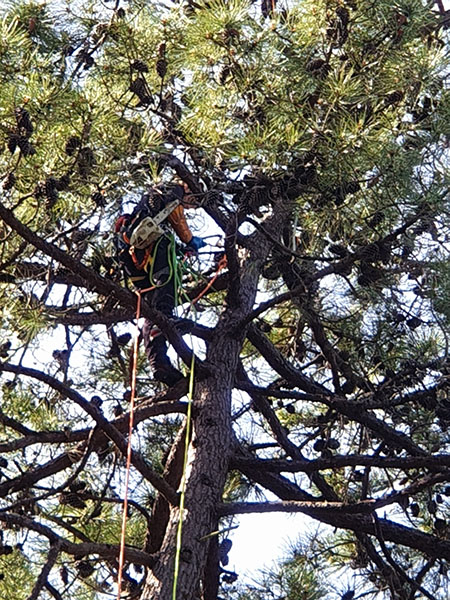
(211, 444)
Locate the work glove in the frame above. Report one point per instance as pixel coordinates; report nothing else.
(195, 244)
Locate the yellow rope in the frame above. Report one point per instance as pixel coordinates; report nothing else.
(183, 482)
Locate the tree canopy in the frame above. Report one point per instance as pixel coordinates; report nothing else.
(313, 136)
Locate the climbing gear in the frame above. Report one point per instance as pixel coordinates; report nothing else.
(190, 398)
(129, 451)
(222, 264)
(148, 230)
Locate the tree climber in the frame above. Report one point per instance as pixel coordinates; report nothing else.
(147, 252)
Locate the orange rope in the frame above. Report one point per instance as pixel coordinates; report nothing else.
(222, 264)
(129, 451)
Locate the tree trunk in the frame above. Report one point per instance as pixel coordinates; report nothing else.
(210, 447)
(205, 475)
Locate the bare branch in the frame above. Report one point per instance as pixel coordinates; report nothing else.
(106, 551)
(137, 459)
(43, 575)
(440, 461)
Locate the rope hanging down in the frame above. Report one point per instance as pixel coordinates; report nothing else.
(221, 265)
(129, 450)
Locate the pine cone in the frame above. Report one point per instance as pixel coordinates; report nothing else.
(308, 175)
(64, 574)
(223, 74)
(370, 253)
(318, 67)
(292, 188)
(138, 85)
(343, 15)
(338, 249)
(72, 499)
(77, 486)
(85, 568)
(118, 410)
(39, 190)
(414, 322)
(26, 148)
(96, 401)
(394, 98)
(369, 274)
(12, 142)
(62, 183)
(86, 161)
(72, 145)
(377, 219)
(124, 339)
(87, 59)
(9, 181)
(342, 191)
(161, 67)
(24, 122)
(50, 191)
(98, 198)
(140, 66)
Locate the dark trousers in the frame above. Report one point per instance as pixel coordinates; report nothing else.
(162, 274)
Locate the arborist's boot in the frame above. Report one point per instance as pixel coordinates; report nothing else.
(165, 372)
(162, 368)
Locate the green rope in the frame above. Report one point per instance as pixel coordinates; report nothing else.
(183, 484)
(171, 262)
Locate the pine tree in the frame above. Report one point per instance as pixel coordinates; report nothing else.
(314, 137)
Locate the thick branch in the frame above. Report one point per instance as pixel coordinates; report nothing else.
(279, 364)
(394, 532)
(440, 461)
(136, 459)
(106, 551)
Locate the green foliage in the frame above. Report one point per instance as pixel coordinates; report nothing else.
(16, 568)
(334, 111)
(300, 576)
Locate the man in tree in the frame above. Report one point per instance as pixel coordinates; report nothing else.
(147, 252)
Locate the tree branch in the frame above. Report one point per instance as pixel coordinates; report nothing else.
(336, 462)
(136, 458)
(43, 575)
(106, 551)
